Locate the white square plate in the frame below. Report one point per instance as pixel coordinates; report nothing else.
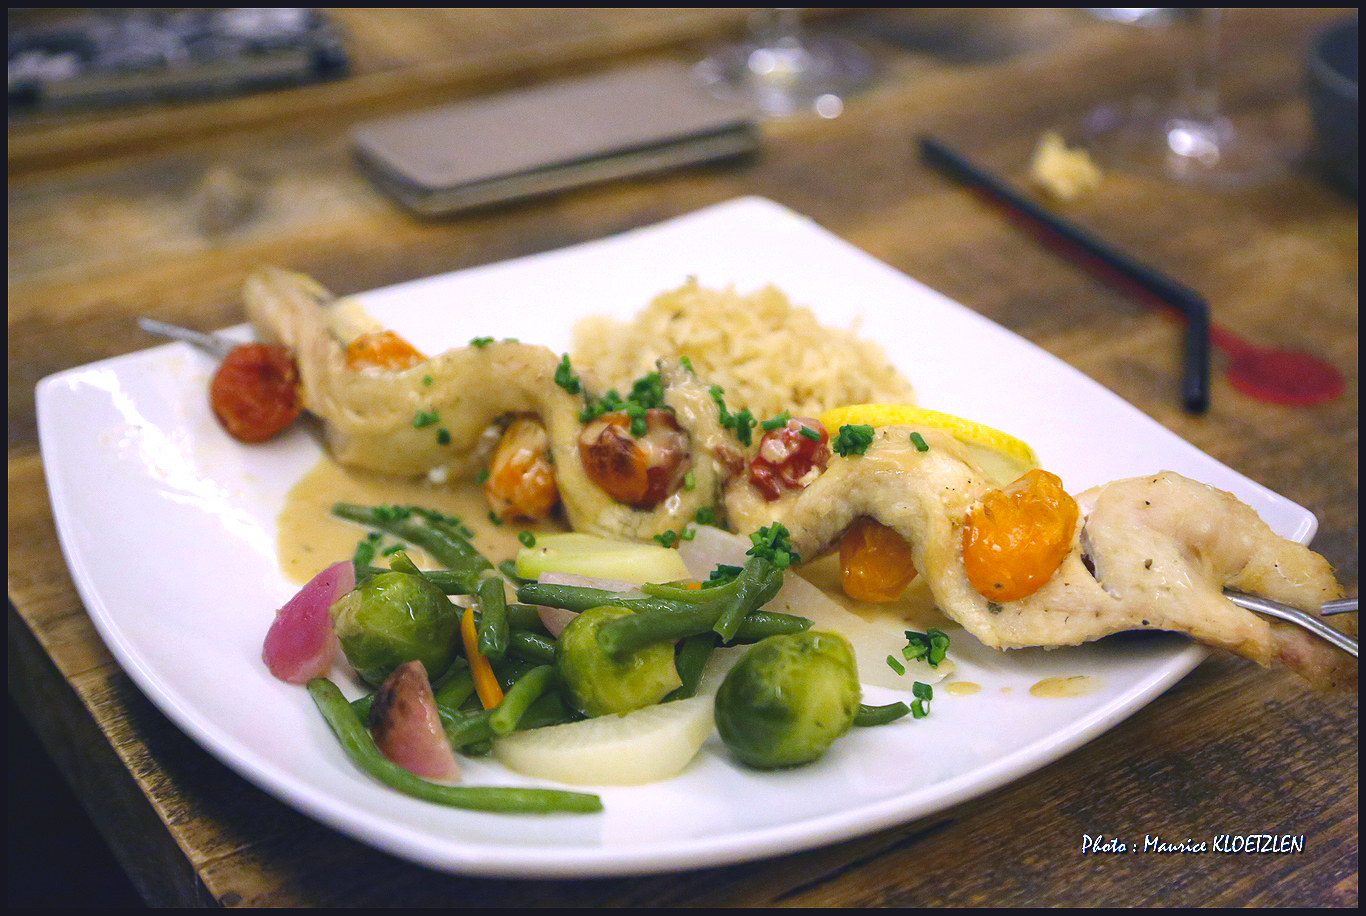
(169, 529)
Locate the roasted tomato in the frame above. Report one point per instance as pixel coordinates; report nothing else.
(1016, 538)
(788, 456)
(381, 350)
(255, 391)
(521, 481)
(637, 471)
(875, 562)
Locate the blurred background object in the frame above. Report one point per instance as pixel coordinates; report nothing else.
(1188, 133)
(784, 68)
(116, 56)
(1333, 100)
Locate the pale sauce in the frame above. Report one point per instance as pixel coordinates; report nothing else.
(1055, 687)
(310, 538)
(962, 688)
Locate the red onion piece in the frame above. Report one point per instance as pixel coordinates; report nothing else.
(301, 644)
(407, 727)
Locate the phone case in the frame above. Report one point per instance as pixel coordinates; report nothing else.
(551, 137)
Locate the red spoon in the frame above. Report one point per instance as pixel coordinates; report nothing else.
(1281, 376)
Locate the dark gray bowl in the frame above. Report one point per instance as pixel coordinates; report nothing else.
(1333, 100)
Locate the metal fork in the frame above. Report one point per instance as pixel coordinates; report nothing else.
(1271, 608)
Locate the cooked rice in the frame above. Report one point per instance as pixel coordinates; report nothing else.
(768, 354)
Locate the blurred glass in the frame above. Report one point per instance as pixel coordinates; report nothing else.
(784, 70)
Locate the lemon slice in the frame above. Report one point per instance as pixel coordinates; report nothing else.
(1000, 454)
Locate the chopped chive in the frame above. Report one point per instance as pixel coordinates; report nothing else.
(807, 432)
(919, 442)
(425, 418)
(565, 377)
(780, 420)
(527, 538)
(852, 440)
(895, 665)
(443, 437)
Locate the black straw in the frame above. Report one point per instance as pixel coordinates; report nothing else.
(1196, 339)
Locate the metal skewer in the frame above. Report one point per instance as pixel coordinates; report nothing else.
(1271, 608)
(215, 346)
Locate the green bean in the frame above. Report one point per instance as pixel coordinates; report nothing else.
(509, 570)
(880, 715)
(360, 747)
(691, 661)
(757, 583)
(531, 647)
(466, 728)
(580, 598)
(493, 618)
(627, 634)
(658, 619)
(455, 687)
(525, 617)
(529, 688)
(401, 562)
(450, 546)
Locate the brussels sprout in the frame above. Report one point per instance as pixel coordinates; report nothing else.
(788, 699)
(597, 682)
(396, 617)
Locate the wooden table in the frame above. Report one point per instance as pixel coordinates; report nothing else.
(121, 214)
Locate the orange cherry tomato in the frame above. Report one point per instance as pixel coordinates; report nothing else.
(521, 481)
(1017, 537)
(875, 562)
(254, 392)
(381, 350)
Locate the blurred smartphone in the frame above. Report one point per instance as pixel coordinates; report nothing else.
(551, 137)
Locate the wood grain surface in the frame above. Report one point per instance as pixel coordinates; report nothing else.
(161, 211)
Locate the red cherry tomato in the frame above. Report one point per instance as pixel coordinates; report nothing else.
(787, 456)
(255, 391)
(637, 472)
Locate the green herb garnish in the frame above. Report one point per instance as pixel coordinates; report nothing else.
(742, 423)
(930, 647)
(852, 440)
(919, 442)
(565, 377)
(774, 423)
(425, 418)
(771, 543)
(923, 693)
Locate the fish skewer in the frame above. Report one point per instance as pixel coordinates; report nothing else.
(1147, 553)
